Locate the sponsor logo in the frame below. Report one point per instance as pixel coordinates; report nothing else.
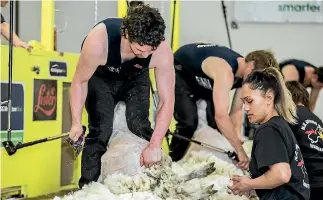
(45, 100)
(314, 133)
(205, 45)
(316, 147)
(204, 82)
(57, 69)
(300, 164)
(17, 112)
(138, 66)
(114, 69)
(308, 7)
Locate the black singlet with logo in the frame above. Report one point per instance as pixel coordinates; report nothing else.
(274, 143)
(300, 66)
(309, 134)
(191, 56)
(114, 66)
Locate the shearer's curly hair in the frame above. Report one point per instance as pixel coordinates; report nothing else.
(144, 25)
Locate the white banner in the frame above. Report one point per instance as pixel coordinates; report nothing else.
(279, 11)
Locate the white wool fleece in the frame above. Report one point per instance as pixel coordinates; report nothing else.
(202, 174)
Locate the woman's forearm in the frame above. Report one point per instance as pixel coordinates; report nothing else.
(271, 179)
(6, 33)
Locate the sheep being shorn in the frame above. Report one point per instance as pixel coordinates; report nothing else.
(200, 179)
(201, 174)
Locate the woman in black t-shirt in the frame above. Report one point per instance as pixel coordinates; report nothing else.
(277, 168)
(309, 135)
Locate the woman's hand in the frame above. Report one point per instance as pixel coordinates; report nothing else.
(24, 45)
(240, 185)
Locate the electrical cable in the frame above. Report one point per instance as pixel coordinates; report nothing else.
(226, 22)
(95, 12)
(10, 70)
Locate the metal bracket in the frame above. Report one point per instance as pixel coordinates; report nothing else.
(234, 25)
(35, 69)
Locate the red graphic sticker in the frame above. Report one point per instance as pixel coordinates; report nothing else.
(45, 100)
(300, 163)
(312, 131)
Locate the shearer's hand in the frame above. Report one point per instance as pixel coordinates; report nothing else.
(243, 160)
(151, 155)
(75, 132)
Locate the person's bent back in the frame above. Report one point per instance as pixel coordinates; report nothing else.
(309, 135)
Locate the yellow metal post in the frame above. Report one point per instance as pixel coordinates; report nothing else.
(175, 20)
(47, 24)
(122, 8)
(175, 37)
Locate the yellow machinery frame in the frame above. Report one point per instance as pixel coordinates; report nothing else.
(36, 170)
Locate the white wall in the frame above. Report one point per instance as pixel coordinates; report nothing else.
(80, 19)
(303, 41)
(199, 21)
(298, 40)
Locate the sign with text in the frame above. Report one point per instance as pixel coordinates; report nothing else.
(279, 11)
(17, 112)
(45, 100)
(57, 68)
